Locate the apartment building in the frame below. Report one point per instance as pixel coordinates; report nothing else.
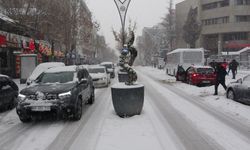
(225, 24)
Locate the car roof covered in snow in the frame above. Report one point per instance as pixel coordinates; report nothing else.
(199, 66)
(96, 66)
(186, 50)
(104, 63)
(72, 68)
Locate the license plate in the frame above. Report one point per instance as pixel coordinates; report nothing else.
(205, 81)
(40, 108)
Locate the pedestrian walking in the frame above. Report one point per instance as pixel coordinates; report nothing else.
(220, 78)
(233, 65)
(213, 64)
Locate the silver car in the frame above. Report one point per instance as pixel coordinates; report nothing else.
(240, 90)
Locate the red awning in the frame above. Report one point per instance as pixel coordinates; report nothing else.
(236, 45)
(2, 40)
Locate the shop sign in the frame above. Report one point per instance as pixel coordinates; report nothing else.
(2, 41)
(12, 40)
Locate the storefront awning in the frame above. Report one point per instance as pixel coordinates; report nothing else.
(236, 45)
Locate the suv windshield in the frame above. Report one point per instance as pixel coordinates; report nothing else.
(205, 70)
(58, 77)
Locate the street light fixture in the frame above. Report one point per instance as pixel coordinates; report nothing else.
(122, 6)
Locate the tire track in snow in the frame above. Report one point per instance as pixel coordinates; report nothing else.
(185, 135)
(12, 134)
(66, 138)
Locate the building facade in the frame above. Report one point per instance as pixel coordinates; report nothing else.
(225, 24)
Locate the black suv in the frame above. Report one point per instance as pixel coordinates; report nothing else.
(59, 90)
(8, 92)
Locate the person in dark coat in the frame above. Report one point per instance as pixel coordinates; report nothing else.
(233, 65)
(213, 64)
(220, 78)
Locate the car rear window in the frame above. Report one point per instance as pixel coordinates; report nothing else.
(96, 70)
(57, 77)
(108, 65)
(205, 70)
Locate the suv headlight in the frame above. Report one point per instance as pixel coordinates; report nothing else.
(64, 95)
(21, 97)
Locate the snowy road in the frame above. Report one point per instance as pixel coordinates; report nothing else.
(171, 119)
(197, 125)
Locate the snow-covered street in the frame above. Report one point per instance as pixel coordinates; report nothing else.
(175, 116)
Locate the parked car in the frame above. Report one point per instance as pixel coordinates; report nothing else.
(41, 68)
(198, 75)
(59, 90)
(240, 90)
(110, 68)
(8, 92)
(99, 75)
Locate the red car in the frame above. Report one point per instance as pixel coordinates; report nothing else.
(200, 75)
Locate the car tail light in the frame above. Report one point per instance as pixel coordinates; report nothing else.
(195, 74)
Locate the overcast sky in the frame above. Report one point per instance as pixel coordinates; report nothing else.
(146, 13)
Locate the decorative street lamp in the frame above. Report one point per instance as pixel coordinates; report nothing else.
(122, 6)
(127, 95)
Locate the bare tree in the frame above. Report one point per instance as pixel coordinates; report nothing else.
(118, 35)
(168, 23)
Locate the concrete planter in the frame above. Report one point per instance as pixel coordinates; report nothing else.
(127, 100)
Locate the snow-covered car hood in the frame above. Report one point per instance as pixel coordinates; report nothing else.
(98, 75)
(48, 88)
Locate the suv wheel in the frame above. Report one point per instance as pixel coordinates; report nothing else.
(230, 94)
(25, 119)
(78, 110)
(12, 103)
(92, 97)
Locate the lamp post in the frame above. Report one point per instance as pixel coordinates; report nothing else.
(122, 6)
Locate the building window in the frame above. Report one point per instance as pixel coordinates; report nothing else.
(224, 3)
(243, 18)
(235, 36)
(221, 20)
(242, 2)
(209, 6)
